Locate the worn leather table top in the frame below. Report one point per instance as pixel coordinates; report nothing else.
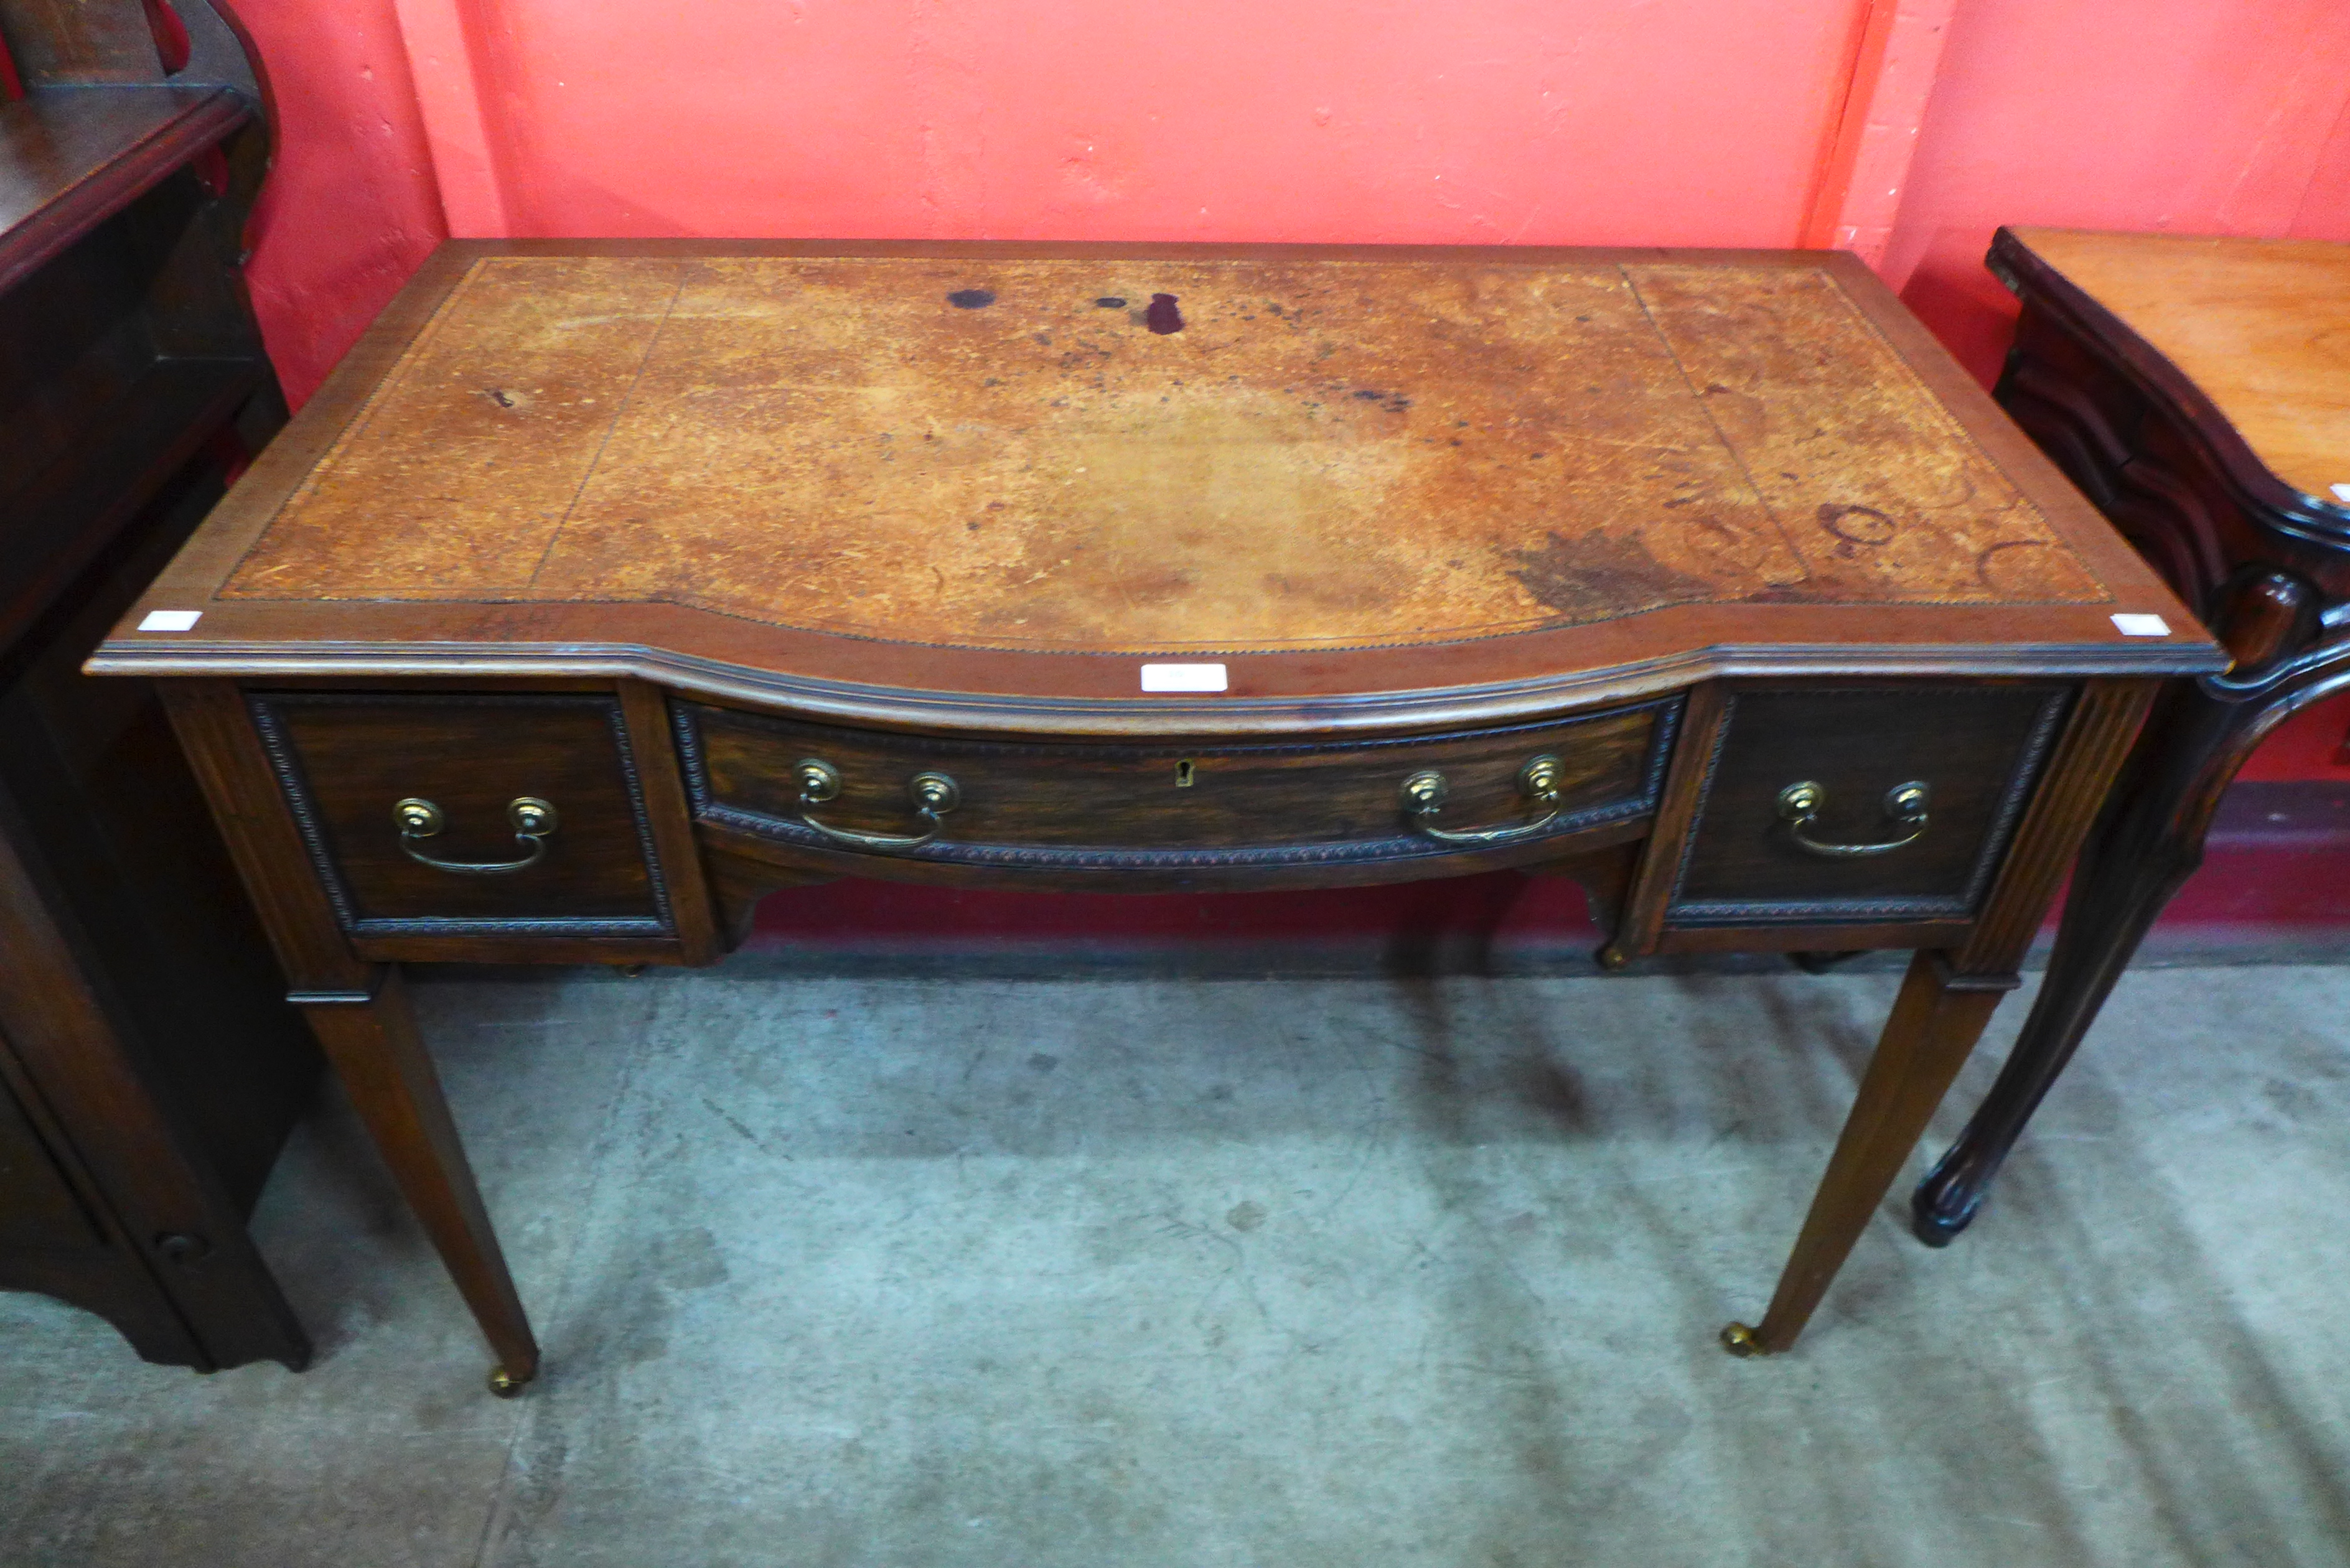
(1474, 467)
(962, 452)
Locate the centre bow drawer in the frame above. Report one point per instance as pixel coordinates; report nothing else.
(1505, 793)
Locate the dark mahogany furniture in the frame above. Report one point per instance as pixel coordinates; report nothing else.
(148, 1066)
(609, 586)
(2198, 391)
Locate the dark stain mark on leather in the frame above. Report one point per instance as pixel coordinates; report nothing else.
(1111, 302)
(1983, 562)
(1712, 524)
(1162, 318)
(971, 298)
(1859, 525)
(1600, 575)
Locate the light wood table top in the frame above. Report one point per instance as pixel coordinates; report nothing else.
(2261, 327)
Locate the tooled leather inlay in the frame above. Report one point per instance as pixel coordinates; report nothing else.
(1045, 453)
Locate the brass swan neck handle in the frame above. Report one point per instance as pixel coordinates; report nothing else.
(418, 820)
(1905, 806)
(934, 795)
(1539, 781)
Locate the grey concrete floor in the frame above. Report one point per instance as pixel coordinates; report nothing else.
(912, 1273)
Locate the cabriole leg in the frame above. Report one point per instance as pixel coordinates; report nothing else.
(2147, 841)
(2139, 856)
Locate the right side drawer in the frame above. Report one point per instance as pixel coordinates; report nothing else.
(1763, 853)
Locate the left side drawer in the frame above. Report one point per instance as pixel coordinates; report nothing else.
(347, 762)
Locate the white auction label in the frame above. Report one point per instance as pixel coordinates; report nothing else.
(170, 620)
(1183, 678)
(2141, 626)
(2341, 492)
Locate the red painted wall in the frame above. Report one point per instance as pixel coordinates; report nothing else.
(1536, 121)
(2184, 116)
(1486, 121)
(1672, 121)
(351, 209)
(2188, 117)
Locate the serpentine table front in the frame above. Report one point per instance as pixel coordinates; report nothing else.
(609, 586)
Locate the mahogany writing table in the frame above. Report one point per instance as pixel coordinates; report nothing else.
(608, 586)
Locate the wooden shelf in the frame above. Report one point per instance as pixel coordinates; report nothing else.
(148, 1065)
(72, 157)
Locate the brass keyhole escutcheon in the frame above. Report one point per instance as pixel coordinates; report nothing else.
(1183, 773)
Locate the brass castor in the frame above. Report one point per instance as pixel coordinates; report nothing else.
(1739, 1340)
(506, 1385)
(1610, 957)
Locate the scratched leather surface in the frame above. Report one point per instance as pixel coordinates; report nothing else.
(1327, 453)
